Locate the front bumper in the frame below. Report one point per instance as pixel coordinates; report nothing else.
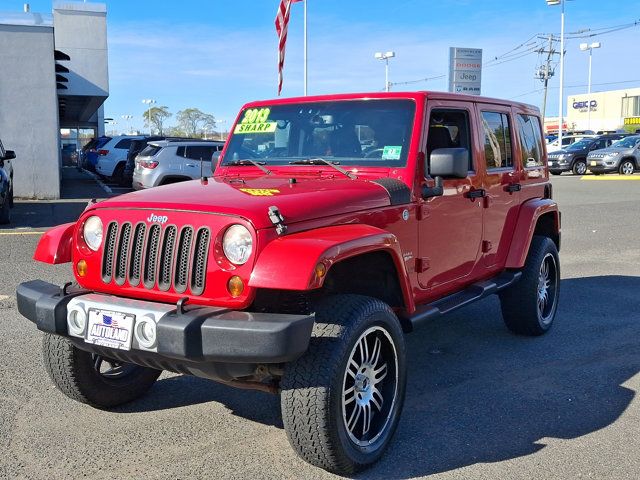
(195, 335)
(599, 166)
(558, 166)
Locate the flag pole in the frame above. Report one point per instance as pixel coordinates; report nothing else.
(305, 47)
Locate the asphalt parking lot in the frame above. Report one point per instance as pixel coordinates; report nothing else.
(481, 403)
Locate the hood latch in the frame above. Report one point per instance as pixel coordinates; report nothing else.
(278, 220)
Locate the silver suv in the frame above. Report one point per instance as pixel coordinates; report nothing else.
(170, 161)
(622, 156)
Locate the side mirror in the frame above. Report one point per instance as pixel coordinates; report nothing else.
(9, 155)
(449, 162)
(214, 160)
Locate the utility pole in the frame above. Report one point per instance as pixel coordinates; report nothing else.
(545, 72)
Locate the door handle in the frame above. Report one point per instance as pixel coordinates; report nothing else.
(478, 193)
(514, 187)
(190, 164)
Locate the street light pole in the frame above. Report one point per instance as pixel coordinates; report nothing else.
(561, 113)
(127, 118)
(149, 101)
(385, 56)
(584, 47)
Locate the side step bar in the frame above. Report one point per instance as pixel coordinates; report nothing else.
(472, 293)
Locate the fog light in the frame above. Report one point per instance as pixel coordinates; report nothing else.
(321, 270)
(81, 267)
(76, 321)
(145, 332)
(235, 286)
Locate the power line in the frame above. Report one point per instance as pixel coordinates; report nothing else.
(578, 86)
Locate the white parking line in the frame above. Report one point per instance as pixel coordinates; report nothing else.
(98, 181)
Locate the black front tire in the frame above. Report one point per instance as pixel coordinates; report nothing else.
(325, 391)
(579, 167)
(76, 373)
(529, 306)
(627, 167)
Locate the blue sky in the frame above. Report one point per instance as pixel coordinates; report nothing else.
(217, 55)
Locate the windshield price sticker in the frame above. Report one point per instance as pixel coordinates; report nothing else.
(391, 152)
(255, 120)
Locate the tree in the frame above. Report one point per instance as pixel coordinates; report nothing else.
(193, 122)
(157, 116)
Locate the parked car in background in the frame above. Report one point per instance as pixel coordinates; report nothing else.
(6, 184)
(574, 157)
(69, 154)
(138, 146)
(568, 140)
(89, 154)
(171, 161)
(622, 156)
(112, 156)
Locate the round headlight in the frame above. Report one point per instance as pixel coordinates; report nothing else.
(92, 233)
(237, 244)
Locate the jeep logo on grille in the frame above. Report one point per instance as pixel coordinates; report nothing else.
(157, 218)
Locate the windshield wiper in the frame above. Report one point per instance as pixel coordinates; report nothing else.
(322, 161)
(248, 161)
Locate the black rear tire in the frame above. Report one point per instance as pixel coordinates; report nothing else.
(325, 391)
(524, 308)
(78, 375)
(627, 167)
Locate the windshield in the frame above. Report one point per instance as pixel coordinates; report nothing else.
(628, 142)
(581, 145)
(351, 132)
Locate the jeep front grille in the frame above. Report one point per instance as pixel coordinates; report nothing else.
(156, 257)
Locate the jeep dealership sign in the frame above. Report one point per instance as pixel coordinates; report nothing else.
(465, 70)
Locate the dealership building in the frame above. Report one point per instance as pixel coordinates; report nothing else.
(53, 83)
(601, 111)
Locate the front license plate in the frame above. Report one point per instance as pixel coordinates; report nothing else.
(593, 164)
(110, 329)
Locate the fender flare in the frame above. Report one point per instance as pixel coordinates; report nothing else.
(528, 217)
(289, 262)
(55, 245)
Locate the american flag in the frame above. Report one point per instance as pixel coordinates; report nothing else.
(282, 24)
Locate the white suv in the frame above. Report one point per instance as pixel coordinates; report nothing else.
(171, 161)
(112, 156)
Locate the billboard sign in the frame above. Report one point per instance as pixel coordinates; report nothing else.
(465, 70)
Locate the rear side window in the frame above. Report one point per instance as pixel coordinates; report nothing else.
(497, 140)
(530, 140)
(150, 151)
(201, 152)
(124, 144)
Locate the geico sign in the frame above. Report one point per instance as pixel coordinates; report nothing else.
(585, 104)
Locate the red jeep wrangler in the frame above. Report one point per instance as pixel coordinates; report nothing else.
(332, 226)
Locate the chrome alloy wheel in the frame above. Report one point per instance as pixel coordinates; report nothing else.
(627, 168)
(547, 288)
(370, 386)
(111, 369)
(581, 168)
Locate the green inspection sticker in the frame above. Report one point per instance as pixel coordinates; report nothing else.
(391, 152)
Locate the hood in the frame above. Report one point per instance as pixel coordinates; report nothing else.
(613, 150)
(306, 199)
(564, 151)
